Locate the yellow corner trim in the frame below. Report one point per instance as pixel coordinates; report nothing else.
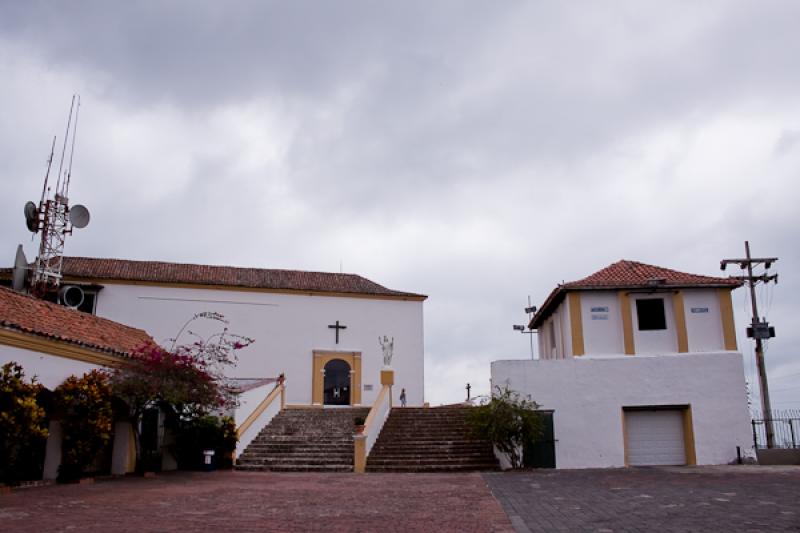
(627, 323)
(679, 311)
(359, 454)
(624, 438)
(688, 437)
(726, 315)
(59, 348)
(576, 323)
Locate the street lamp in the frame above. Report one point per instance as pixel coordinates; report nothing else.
(523, 328)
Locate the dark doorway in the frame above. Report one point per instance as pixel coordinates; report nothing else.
(337, 383)
(542, 453)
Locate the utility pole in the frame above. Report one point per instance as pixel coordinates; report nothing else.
(759, 328)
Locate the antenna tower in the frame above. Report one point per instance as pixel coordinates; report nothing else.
(54, 218)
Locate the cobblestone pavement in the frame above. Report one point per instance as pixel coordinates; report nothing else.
(736, 498)
(242, 501)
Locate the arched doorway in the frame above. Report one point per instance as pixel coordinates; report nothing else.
(336, 388)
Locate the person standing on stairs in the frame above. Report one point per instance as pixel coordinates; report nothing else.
(403, 398)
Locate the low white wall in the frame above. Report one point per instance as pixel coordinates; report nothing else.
(587, 396)
(50, 370)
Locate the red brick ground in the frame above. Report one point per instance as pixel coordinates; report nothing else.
(239, 501)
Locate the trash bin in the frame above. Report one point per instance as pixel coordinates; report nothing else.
(208, 461)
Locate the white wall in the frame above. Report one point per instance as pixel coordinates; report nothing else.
(651, 342)
(286, 328)
(50, 370)
(703, 320)
(587, 397)
(602, 323)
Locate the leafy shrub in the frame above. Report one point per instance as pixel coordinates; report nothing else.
(186, 382)
(86, 420)
(508, 421)
(23, 425)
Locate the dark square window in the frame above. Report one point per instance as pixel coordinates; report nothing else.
(650, 312)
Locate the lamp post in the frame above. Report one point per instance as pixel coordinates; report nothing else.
(524, 328)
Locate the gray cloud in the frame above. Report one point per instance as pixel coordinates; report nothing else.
(475, 153)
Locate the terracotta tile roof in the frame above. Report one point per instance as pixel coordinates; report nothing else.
(258, 278)
(626, 274)
(30, 315)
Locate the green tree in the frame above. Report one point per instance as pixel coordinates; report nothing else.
(23, 423)
(84, 405)
(508, 421)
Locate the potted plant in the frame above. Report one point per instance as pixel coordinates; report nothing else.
(359, 424)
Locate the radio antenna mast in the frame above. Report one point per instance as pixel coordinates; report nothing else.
(54, 218)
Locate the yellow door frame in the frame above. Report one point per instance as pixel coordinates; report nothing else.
(321, 358)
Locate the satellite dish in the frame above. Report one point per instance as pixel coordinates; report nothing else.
(18, 273)
(79, 216)
(71, 296)
(32, 217)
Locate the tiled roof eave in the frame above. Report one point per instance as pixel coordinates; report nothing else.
(656, 287)
(236, 278)
(200, 284)
(10, 326)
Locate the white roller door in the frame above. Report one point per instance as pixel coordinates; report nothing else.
(655, 437)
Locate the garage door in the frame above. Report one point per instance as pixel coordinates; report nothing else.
(655, 437)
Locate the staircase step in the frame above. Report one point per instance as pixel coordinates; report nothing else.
(304, 440)
(429, 440)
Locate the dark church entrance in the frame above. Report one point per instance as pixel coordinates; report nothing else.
(337, 383)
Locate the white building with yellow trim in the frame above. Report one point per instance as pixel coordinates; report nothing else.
(321, 330)
(52, 343)
(638, 366)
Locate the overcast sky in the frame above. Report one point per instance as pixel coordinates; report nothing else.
(477, 152)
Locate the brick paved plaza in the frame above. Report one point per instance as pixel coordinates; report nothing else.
(245, 501)
(620, 500)
(736, 498)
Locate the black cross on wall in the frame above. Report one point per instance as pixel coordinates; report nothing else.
(337, 327)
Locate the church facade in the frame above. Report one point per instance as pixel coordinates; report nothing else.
(320, 330)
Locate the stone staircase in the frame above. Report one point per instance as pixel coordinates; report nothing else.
(436, 439)
(304, 440)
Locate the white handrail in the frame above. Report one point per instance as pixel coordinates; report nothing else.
(260, 417)
(373, 425)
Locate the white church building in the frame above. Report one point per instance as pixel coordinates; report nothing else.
(320, 330)
(323, 333)
(638, 366)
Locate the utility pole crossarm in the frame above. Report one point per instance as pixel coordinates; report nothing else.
(764, 278)
(745, 261)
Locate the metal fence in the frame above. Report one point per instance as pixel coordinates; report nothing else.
(785, 429)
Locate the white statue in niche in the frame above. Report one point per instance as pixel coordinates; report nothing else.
(388, 350)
